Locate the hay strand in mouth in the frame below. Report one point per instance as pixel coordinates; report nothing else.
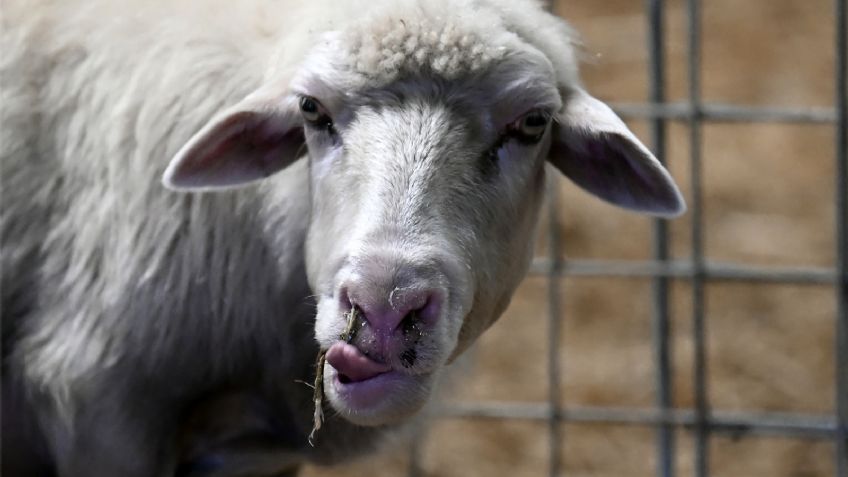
(352, 326)
(318, 388)
(318, 396)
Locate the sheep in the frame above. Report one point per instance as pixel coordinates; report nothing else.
(317, 159)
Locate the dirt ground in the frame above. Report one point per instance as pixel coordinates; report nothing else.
(769, 192)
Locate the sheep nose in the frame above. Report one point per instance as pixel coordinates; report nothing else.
(393, 294)
(388, 310)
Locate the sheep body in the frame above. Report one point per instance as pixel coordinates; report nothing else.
(123, 301)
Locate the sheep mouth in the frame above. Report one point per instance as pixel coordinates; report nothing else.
(353, 366)
(362, 395)
(359, 380)
(367, 392)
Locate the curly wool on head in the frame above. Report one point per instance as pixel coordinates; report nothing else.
(385, 46)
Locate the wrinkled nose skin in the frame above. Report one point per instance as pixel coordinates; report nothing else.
(393, 295)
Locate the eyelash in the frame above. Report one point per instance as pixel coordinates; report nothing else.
(323, 121)
(514, 132)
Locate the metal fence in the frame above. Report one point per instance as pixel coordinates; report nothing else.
(701, 420)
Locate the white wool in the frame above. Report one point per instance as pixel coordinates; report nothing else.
(423, 39)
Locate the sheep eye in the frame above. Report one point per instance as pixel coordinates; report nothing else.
(528, 129)
(531, 126)
(315, 114)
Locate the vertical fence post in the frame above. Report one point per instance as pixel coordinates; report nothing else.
(554, 326)
(660, 285)
(698, 276)
(414, 469)
(841, 98)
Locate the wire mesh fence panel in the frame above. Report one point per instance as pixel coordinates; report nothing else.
(702, 423)
(677, 423)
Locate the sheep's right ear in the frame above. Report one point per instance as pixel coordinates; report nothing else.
(247, 142)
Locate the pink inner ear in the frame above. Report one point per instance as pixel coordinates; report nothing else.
(610, 167)
(243, 147)
(257, 143)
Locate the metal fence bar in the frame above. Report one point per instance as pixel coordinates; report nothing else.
(736, 424)
(414, 469)
(841, 85)
(554, 275)
(712, 271)
(702, 417)
(719, 112)
(554, 327)
(660, 286)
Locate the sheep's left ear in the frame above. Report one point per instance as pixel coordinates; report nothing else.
(246, 142)
(594, 148)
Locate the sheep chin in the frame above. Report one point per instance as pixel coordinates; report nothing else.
(384, 400)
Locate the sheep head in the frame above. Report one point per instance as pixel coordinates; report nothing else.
(428, 126)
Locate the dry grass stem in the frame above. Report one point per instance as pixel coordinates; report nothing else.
(318, 388)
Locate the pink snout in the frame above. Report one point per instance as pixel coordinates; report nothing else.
(398, 304)
(390, 291)
(382, 369)
(387, 311)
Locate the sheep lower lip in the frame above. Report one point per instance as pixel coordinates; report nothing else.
(366, 393)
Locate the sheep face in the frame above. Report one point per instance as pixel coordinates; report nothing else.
(427, 174)
(424, 205)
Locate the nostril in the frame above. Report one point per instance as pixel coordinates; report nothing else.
(428, 314)
(408, 357)
(345, 303)
(419, 310)
(411, 325)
